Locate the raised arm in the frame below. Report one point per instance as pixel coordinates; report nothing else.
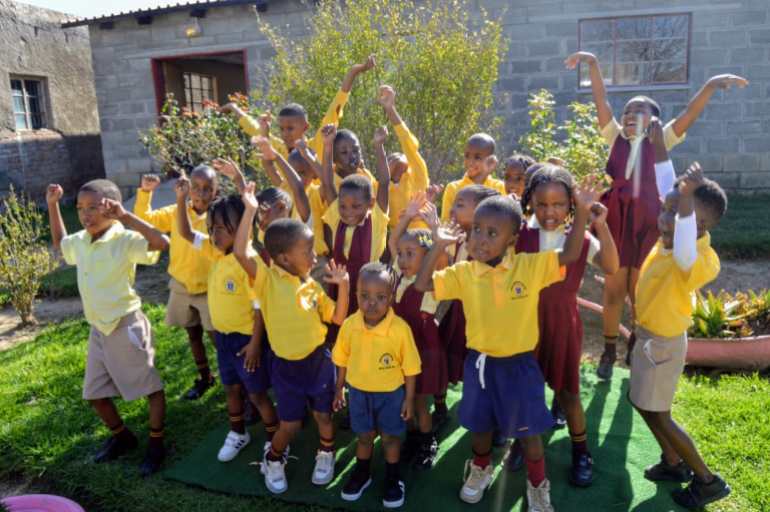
(443, 237)
(383, 171)
(355, 70)
(607, 257)
(328, 191)
(696, 105)
(156, 241)
(413, 208)
(301, 202)
(53, 195)
(243, 235)
(230, 169)
(599, 91)
(301, 146)
(337, 274)
(585, 197)
(664, 169)
(685, 226)
(418, 174)
(184, 226)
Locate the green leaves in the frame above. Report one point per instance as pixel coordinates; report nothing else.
(731, 316)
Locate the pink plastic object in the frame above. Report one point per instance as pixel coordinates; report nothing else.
(596, 308)
(41, 503)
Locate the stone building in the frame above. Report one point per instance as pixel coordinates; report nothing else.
(49, 126)
(664, 48)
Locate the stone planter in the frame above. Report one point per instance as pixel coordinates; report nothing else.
(751, 353)
(41, 503)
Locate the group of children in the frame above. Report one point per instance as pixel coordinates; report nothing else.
(343, 290)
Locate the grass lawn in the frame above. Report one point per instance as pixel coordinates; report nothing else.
(48, 432)
(744, 232)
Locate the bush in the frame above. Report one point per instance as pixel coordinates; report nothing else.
(442, 65)
(728, 315)
(577, 141)
(24, 256)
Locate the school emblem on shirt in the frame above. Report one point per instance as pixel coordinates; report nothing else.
(518, 290)
(230, 285)
(387, 362)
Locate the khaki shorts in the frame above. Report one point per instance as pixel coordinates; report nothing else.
(122, 362)
(656, 365)
(186, 310)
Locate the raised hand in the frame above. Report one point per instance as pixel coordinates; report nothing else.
(182, 188)
(112, 209)
(693, 178)
(365, 66)
(598, 215)
(576, 58)
(329, 132)
(265, 120)
(249, 197)
(448, 234)
(266, 150)
(53, 193)
(414, 205)
(429, 213)
(226, 167)
(336, 274)
(301, 146)
(386, 97)
(586, 194)
(432, 192)
(726, 81)
(490, 164)
(150, 182)
(655, 131)
(380, 135)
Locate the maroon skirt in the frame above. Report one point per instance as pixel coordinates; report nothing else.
(452, 331)
(561, 342)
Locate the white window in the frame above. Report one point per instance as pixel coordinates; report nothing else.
(198, 89)
(28, 103)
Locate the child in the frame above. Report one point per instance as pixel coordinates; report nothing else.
(377, 358)
(295, 309)
(187, 305)
(681, 262)
(231, 302)
(120, 349)
(479, 162)
(356, 224)
(503, 387)
(514, 174)
(548, 199)
(292, 119)
(633, 209)
(408, 248)
(408, 171)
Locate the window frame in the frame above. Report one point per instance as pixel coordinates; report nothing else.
(643, 85)
(42, 97)
(212, 90)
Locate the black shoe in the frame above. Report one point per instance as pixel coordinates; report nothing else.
(498, 439)
(606, 363)
(665, 472)
(439, 418)
(559, 420)
(199, 388)
(116, 446)
(631, 343)
(515, 459)
(410, 446)
(426, 454)
(394, 493)
(152, 461)
(699, 494)
(357, 483)
(581, 474)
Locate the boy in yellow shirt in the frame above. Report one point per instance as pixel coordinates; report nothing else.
(681, 262)
(503, 387)
(120, 350)
(377, 357)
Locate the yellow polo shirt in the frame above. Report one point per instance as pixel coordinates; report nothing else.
(185, 264)
(295, 312)
(500, 303)
(664, 292)
(414, 180)
(377, 358)
(317, 209)
(231, 298)
(106, 269)
(451, 190)
(379, 230)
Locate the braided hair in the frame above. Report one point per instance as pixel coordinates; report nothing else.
(547, 173)
(229, 209)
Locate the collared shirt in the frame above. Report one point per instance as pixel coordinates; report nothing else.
(414, 180)
(451, 190)
(379, 230)
(185, 264)
(377, 358)
(664, 292)
(500, 303)
(554, 240)
(295, 311)
(613, 129)
(106, 269)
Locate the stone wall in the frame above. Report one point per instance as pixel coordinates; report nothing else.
(69, 150)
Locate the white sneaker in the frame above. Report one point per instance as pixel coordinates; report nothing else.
(477, 480)
(268, 445)
(539, 497)
(234, 443)
(275, 476)
(323, 472)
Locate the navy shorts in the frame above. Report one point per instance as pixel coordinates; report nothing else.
(231, 369)
(309, 381)
(372, 411)
(504, 393)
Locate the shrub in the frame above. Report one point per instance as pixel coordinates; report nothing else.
(728, 315)
(24, 256)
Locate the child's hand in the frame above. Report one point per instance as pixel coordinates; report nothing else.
(414, 205)
(490, 164)
(150, 182)
(228, 108)
(301, 146)
(336, 274)
(380, 135)
(432, 192)
(112, 209)
(386, 97)
(265, 120)
(407, 410)
(727, 81)
(249, 198)
(53, 194)
(182, 187)
(448, 234)
(329, 132)
(226, 167)
(266, 150)
(252, 356)
(693, 178)
(598, 214)
(339, 400)
(586, 194)
(655, 132)
(585, 57)
(365, 66)
(429, 213)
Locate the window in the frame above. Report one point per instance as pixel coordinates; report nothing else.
(197, 89)
(28, 104)
(638, 50)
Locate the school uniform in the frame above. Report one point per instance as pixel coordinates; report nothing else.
(452, 327)
(415, 179)
(452, 188)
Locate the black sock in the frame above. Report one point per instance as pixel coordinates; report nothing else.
(237, 424)
(363, 465)
(391, 470)
(204, 371)
(439, 403)
(121, 432)
(156, 440)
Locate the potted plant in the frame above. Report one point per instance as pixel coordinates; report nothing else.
(39, 503)
(730, 331)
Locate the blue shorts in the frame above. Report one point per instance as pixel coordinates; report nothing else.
(504, 393)
(372, 411)
(231, 369)
(308, 381)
